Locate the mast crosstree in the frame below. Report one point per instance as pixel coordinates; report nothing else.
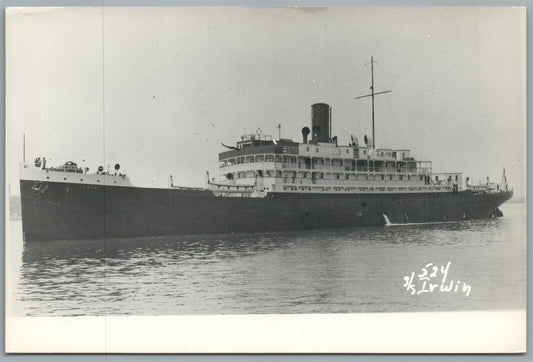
(372, 95)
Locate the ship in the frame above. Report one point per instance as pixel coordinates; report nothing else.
(264, 184)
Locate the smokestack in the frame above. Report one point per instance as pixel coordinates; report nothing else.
(305, 133)
(321, 122)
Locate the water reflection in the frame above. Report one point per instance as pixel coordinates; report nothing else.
(315, 271)
(205, 247)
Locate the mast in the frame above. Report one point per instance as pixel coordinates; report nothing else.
(24, 147)
(372, 94)
(372, 89)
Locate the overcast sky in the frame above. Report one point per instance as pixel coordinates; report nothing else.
(158, 89)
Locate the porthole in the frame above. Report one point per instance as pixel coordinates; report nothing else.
(97, 180)
(48, 178)
(64, 178)
(81, 179)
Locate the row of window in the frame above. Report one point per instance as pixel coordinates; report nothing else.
(320, 175)
(449, 178)
(347, 150)
(81, 180)
(366, 189)
(314, 161)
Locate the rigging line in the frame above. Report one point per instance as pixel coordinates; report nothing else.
(389, 128)
(383, 121)
(361, 115)
(394, 128)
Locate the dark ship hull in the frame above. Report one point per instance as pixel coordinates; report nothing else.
(67, 211)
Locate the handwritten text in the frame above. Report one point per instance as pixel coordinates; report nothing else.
(434, 278)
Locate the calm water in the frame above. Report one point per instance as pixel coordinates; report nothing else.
(325, 271)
